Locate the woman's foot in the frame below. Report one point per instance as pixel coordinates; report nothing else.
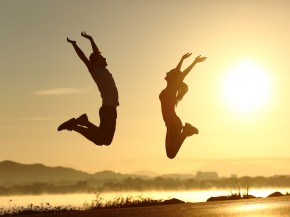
(189, 130)
(81, 120)
(68, 125)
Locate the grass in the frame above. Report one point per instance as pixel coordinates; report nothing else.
(236, 193)
(97, 203)
(121, 202)
(32, 209)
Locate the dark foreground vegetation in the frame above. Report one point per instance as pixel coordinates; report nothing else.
(240, 197)
(97, 203)
(119, 202)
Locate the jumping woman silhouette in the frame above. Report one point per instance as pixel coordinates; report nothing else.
(104, 133)
(169, 98)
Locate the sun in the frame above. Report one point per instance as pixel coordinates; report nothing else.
(246, 87)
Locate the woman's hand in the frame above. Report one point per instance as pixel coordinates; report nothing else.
(186, 55)
(199, 59)
(71, 41)
(85, 35)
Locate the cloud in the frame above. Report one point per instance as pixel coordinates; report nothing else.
(60, 91)
(39, 118)
(6, 120)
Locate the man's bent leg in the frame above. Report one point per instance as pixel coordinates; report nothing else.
(94, 134)
(108, 116)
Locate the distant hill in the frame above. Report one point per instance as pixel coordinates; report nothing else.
(12, 172)
(16, 173)
(148, 173)
(17, 179)
(111, 175)
(179, 176)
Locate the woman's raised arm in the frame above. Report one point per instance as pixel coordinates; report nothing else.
(178, 67)
(198, 59)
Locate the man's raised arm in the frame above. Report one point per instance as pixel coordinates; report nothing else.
(94, 46)
(80, 53)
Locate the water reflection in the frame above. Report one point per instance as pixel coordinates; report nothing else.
(249, 207)
(274, 207)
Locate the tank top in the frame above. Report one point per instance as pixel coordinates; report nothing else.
(168, 98)
(106, 86)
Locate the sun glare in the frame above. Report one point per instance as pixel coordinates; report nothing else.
(246, 87)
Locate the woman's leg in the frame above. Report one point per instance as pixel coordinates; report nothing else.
(175, 136)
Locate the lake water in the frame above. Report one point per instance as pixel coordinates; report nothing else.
(77, 200)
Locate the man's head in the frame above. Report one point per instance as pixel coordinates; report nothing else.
(98, 60)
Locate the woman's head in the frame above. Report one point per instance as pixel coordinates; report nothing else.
(182, 89)
(98, 60)
(172, 75)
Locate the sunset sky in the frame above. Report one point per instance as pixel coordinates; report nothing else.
(238, 98)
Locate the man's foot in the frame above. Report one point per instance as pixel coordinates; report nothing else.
(68, 125)
(82, 119)
(189, 129)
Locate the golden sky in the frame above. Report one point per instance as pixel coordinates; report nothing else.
(238, 98)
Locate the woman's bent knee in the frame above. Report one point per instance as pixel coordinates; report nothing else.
(170, 155)
(108, 141)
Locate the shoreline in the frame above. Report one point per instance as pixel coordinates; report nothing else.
(245, 207)
(135, 203)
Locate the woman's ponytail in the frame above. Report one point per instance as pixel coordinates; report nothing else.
(182, 90)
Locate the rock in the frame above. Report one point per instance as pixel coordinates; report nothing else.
(248, 196)
(219, 198)
(231, 197)
(276, 194)
(172, 201)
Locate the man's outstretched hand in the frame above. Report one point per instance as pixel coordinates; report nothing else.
(85, 35)
(70, 41)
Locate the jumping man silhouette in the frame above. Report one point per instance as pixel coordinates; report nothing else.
(169, 98)
(96, 64)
